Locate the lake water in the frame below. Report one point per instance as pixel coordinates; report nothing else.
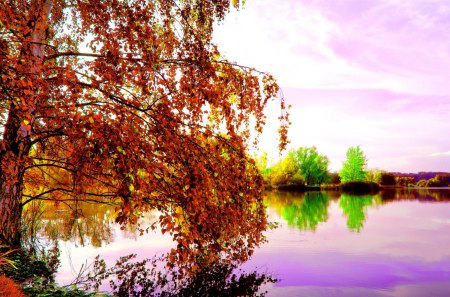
(396, 243)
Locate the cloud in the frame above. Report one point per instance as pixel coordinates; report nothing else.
(379, 44)
(372, 73)
(396, 131)
(439, 154)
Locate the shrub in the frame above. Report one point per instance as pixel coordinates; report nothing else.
(8, 288)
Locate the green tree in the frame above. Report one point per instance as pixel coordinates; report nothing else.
(354, 168)
(312, 166)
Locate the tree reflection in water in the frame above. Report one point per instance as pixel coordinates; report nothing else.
(354, 207)
(308, 212)
(77, 222)
(87, 224)
(93, 224)
(151, 277)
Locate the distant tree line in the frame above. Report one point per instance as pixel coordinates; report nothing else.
(305, 167)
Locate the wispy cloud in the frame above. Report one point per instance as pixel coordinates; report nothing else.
(439, 154)
(372, 72)
(379, 44)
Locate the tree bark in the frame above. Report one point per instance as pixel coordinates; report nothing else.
(12, 168)
(16, 142)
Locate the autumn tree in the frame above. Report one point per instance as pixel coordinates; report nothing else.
(312, 166)
(285, 173)
(130, 101)
(354, 167)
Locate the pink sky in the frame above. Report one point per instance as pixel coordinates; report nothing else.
(372, 73)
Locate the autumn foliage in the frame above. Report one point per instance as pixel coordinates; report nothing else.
(8, 288)
(131, 102)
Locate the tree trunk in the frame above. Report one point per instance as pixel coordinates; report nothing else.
(16, 143)
(10, 211)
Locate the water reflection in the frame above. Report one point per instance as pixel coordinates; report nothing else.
(305, 211)
(93, 224)
(152, 277)
(401, 248)
(308, 212)
(431, 195)
(84, 224)
(354, 208)
(387, 248)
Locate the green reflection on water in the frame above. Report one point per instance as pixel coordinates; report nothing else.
(305, 211)
(308, 212)
(354, 208)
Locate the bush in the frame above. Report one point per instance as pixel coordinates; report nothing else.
(404, 181)
(387, 179)
(360, 187)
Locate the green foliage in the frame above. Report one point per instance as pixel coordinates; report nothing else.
(440, 180)
(334, 178)
(422, 183)
(373, 176)
(354, 167)
(302, 166)
(261, 163)
(312, 166)
(381, 177)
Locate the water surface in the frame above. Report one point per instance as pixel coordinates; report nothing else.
(396, 243)
(327, 244)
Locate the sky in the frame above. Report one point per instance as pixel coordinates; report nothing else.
(373, 73)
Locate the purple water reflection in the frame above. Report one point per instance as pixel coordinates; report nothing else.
(402, 250)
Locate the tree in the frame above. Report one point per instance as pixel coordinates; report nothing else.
(311, 165)
(130, 102)
(354, 168)
(286, 173)
(387, 179)
(261, 162)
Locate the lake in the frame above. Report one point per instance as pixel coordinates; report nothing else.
(395, 243)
